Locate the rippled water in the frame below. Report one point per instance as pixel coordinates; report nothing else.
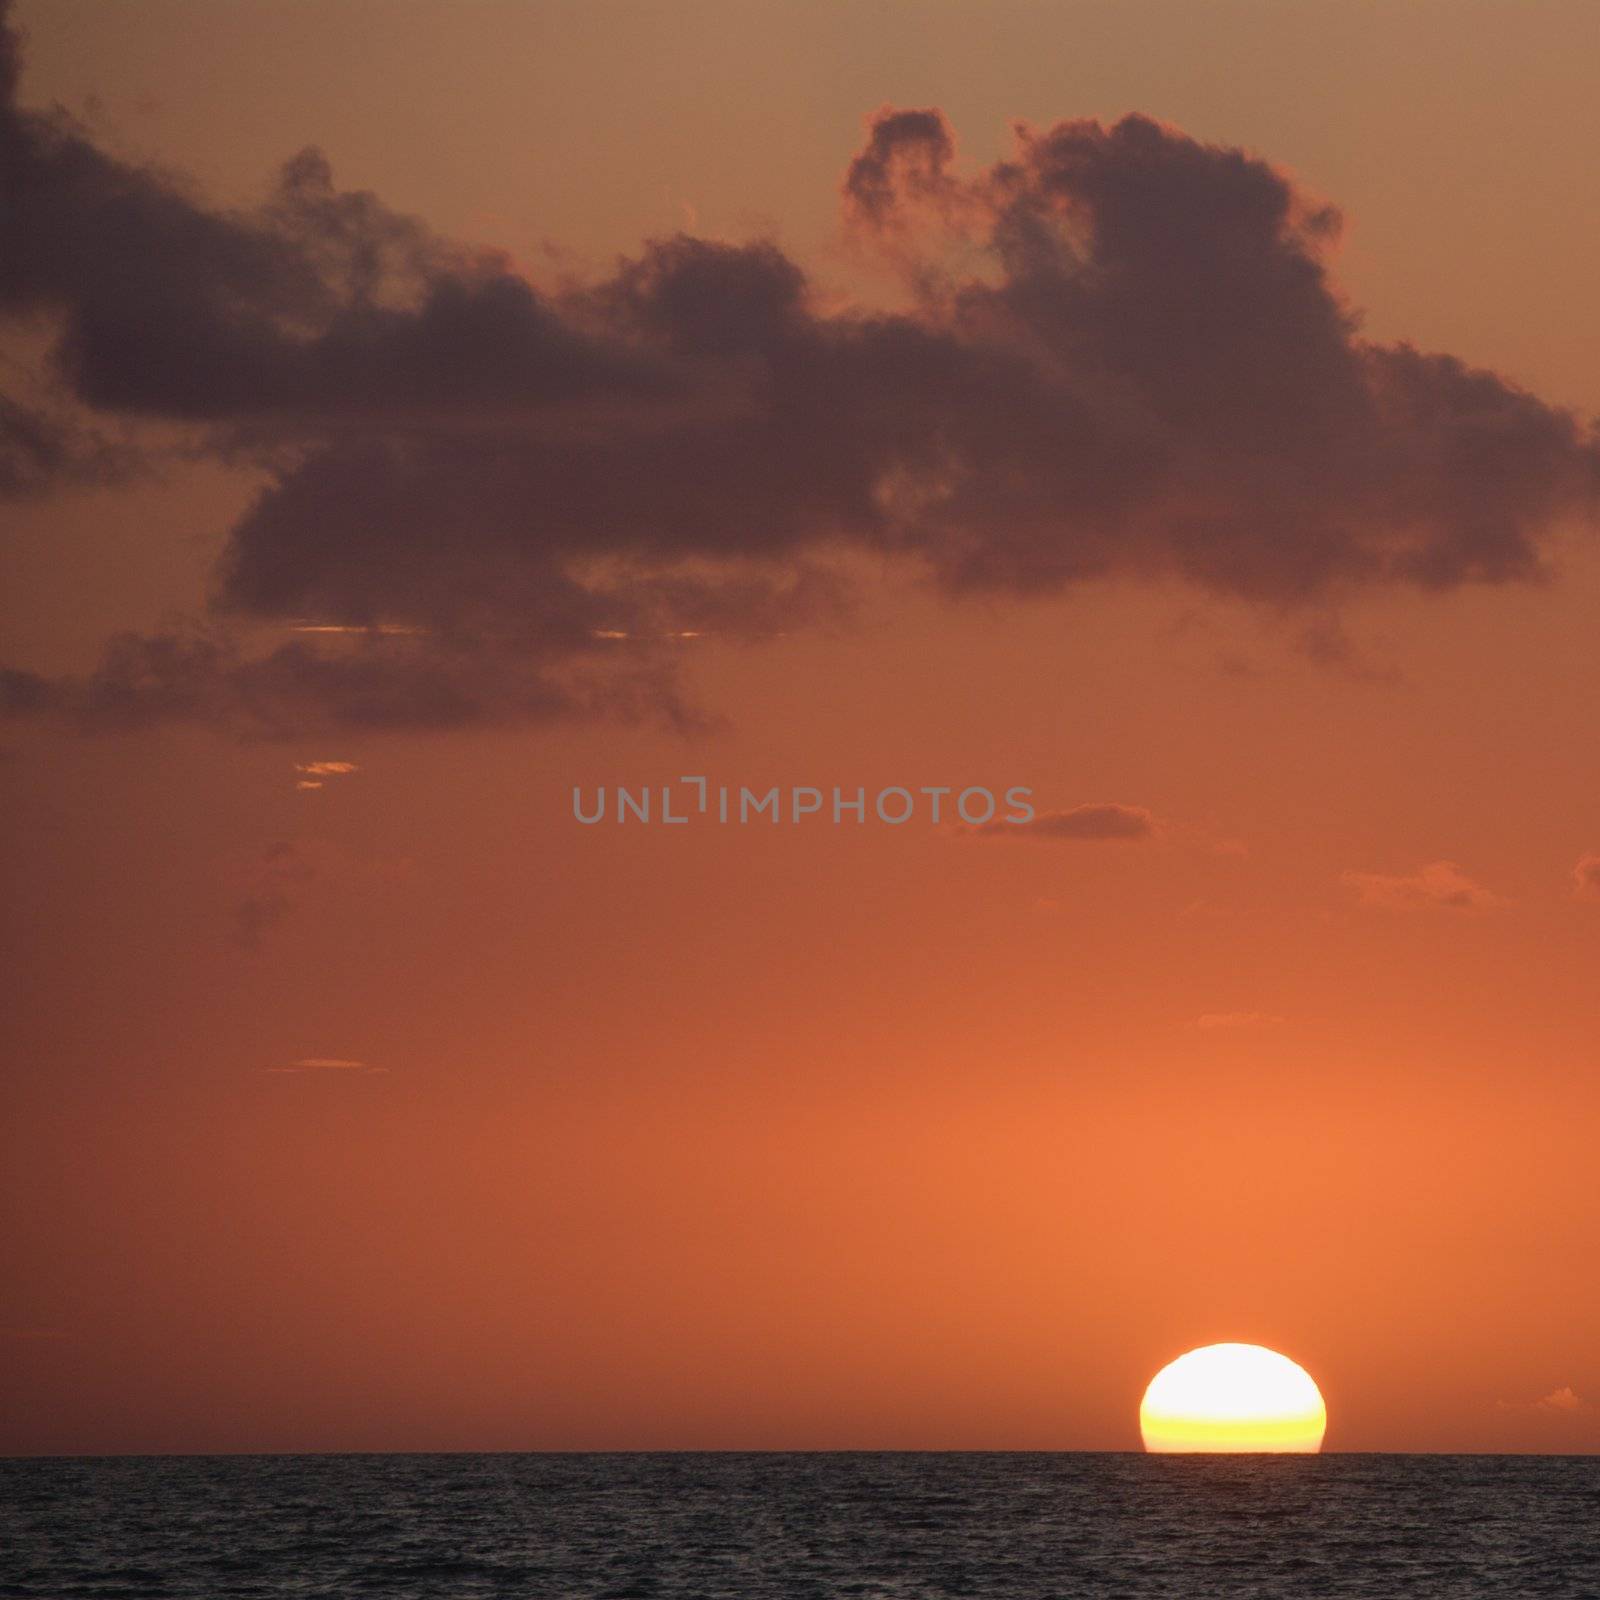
(801, 1527)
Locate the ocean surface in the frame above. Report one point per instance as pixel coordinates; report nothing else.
(801, 1527)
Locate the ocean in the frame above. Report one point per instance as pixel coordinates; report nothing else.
(800, 1527)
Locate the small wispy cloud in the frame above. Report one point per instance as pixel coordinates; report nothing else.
(272, 884)
(1441, 885)
(1101, 821)
(326, 1064)
(1562, 1402)
(1586, 876)
(1209, 1021)
(314, 774)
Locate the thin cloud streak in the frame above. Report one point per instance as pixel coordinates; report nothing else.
(326, 1064)
(1081, 824)
(1215, 1021)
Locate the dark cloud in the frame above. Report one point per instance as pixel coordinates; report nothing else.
(1210, 408)
(302, 878)
(1085, 822)
(906, 162)
(1123, 356)
(321, 307)
(272, 887)
(40, 451)
(367, 682)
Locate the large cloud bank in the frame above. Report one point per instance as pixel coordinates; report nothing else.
(1121, 354)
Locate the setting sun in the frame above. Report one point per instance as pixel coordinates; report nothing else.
(1232, 1397)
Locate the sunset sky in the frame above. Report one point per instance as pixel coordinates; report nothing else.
(410, 412)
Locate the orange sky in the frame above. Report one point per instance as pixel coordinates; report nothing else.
(816, 1136)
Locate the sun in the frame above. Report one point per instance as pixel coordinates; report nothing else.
(1232, 1397)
